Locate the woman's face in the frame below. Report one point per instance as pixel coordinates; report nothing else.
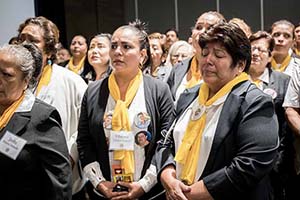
(98, 53)
(156, 52)
(204, 22)
(283, 36)
(78, 47)
(125, 52)
(181, 54)
(34, 34)
(216, 66)
(260, 56)
(297, 34)
(12, 81)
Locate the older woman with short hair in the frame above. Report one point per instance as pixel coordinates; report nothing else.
(226, 131)
(33, 151)
(179, 51)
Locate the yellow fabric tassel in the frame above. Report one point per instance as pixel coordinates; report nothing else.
(8, 113)
(196, 74)
(189, 150)
(283, 65)
(76, 68)
(257, 82)
(120, 119)
(45, 78)
(297, 52)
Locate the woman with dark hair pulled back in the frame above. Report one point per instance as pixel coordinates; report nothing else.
(114, 110)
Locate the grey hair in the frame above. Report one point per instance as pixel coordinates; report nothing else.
(27, 57)
(174, 48)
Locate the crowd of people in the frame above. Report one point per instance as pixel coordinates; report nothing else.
(138, 115)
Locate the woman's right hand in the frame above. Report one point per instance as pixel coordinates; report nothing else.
(175, 189)
(106, 188)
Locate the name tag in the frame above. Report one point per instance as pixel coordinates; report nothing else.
(11, 145)
(121, 140)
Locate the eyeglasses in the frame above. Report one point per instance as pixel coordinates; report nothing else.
(259, 49)
(176, 56)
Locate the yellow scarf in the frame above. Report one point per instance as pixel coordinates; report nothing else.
(154, 73)
(8, 113)
(196, 75)
(297, 52)
(189, 150)
(120, 119)
(45, 78)
(257, 82)
(76, 68)
(283, 65)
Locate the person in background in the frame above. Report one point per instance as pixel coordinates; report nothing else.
(297, 40)
(243, 25)
(98, 57)
(283, 59)
(163, 39)
(13, 40)
(62, 54)
(156, 67)
(186, 74)
(179, 51)
(221, 151)
(292, 110)
(58, 87)
(33, 150)
(78, 62)
(275, 84)
(171, 37)
(120, 106)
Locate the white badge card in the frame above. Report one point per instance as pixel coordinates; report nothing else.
(121, 140)
(11, 145)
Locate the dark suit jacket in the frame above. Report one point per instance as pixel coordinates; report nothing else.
(91, 138)
(42, 169)
(244, 147)
(177, 74)
(279, 81)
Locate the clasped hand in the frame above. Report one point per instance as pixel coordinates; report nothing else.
(134, 190)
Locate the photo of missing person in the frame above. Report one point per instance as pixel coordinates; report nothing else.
(143, 138)
(142, 120)
(107, 119)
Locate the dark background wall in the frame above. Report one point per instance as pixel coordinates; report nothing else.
(89, 17)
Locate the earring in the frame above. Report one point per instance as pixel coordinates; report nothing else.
(49, 62)
(140, 65)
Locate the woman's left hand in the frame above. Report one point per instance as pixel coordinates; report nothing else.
(199, 192)
(135, 191)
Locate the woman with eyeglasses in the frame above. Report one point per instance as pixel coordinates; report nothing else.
(275, 84)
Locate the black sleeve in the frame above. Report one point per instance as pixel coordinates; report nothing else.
(54, 156)
(85, 142)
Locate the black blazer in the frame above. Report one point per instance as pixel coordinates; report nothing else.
(42, 169)
(284, 166)
(244, 147)
(177, 74)
(91, 138)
